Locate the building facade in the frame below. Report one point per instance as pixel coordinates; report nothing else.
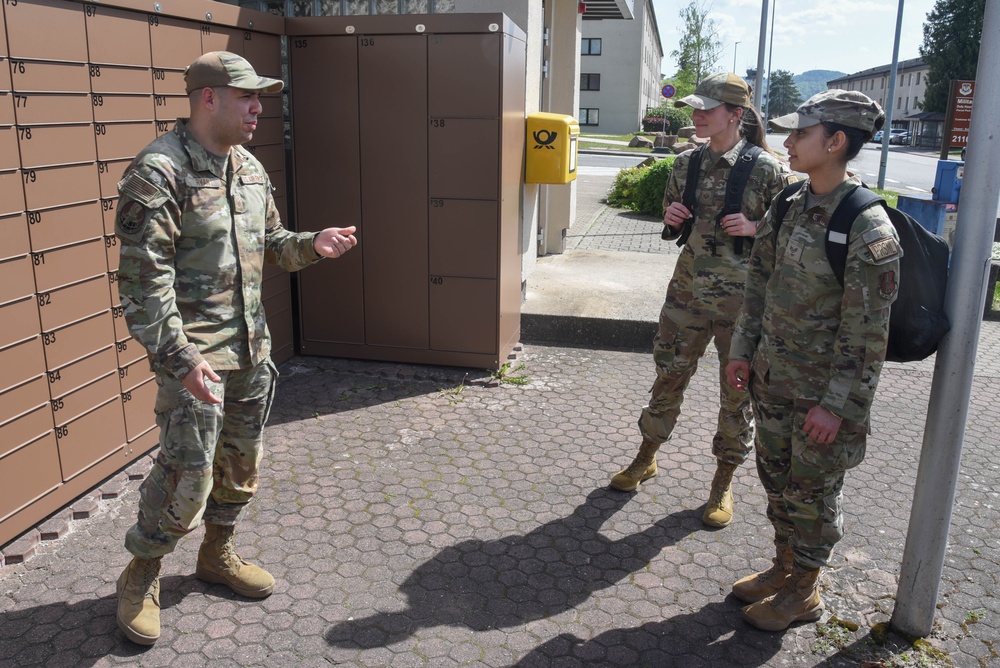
(619, 70)
(907, 93)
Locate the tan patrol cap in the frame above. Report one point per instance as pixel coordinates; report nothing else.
(716, 89)
(222, 68)
(844, 107)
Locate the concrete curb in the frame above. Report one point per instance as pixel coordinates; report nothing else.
(576, 331)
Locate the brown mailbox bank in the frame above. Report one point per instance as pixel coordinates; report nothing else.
(412, 128)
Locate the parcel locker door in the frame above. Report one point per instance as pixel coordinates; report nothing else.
(327, 154)
(393, 69)
(116, 37)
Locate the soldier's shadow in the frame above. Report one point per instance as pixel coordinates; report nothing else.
(516, 579)
(712, 636)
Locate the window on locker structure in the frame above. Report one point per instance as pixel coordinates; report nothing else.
(323, 90)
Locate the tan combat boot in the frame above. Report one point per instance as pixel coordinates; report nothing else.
(219, 563)
(759, 586)
(797, 601)
(643, 467)
(139, 601)
(719, 510)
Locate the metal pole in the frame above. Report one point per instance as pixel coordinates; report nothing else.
(770, 52)
(947, 412)
(760, 56)
(735, 47)
(886, 131)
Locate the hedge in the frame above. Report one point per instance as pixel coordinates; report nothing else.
(640, 189)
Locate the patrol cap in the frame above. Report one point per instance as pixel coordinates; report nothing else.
(222, 68)
(716, 89)
(845, 107)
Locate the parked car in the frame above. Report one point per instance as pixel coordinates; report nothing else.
(904, 138)
(877, 137)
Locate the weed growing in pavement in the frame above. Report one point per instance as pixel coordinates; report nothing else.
(504, 375)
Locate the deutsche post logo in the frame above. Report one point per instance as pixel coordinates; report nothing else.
(544, 138)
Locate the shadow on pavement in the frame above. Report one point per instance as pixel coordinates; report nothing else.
(507, 582)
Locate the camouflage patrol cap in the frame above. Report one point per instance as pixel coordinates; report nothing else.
(716, 89)
(846, 107)
(222, 68)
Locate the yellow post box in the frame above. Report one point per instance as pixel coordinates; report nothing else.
(551, 148)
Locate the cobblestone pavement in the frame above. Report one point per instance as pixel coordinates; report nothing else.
(432, 516)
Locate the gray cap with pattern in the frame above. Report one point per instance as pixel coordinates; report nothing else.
(846, 107)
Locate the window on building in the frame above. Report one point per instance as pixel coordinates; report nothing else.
(918, 78)
(883, 83)
(909, 79)
(590, 82)
(589, 116)
(899, 102)
(915, 101)
(590, 46)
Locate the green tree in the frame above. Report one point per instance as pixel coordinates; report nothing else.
(699, 47)
(951, 47)
(783, 95)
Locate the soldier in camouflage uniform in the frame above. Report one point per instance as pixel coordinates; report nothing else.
(811, 351)
(197, 221)
(706, 290)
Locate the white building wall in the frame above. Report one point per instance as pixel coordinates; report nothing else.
(629, 66)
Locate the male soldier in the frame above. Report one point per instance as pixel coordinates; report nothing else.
(196, 221)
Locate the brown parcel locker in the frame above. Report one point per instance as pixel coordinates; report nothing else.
(117, 37)
(129, 351)
(42, 108)
(25, 428)
(110, 108)
(70, 406)
(17, 280)
(175, 45)
(169, 82)
(122, 140)
(137, 402)
(28, 76)
(70, 377)
(461, 151)
(77, 340)
(128, 80)
(110, 173)
(14, 238)
(68, 304)
(90, 438)
(21, 362)
(55, 186)
(42, 459)
(135, 374)
(8, 148)
(49, 145)
(168, 108)
(62, 226)
(6, 106)
(11, 192)
(46, 30)
(61, 267)
(20, 321)
(23, 398)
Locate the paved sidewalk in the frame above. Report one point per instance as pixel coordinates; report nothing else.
(433, 516)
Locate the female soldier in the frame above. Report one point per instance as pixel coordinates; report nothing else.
(812, 350)
(706, 290)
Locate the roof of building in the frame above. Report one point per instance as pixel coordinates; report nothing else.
(881, 70)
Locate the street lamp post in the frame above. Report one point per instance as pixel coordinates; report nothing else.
(734, 57)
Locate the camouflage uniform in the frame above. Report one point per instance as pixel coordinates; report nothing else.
(195, 230)
(703, 296)
(811, 342)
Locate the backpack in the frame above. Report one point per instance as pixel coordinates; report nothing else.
(739, 175)
(917, 321)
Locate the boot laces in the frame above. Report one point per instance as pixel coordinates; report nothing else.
(637, 468)
(150, 571)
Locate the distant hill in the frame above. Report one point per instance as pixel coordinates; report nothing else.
(814, 81)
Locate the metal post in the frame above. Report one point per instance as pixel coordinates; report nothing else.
(947, 412)
(735, 47)
(887, 128)
(760, 56)
(770, 52)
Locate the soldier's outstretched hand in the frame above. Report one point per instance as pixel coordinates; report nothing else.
(335, 241)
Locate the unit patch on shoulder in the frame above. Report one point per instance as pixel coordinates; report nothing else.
(887, 285)
(130, 219)
(883, 248)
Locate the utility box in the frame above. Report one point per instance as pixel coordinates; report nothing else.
(937, 216)
(434, 191)
(948, 180)
(552, 148)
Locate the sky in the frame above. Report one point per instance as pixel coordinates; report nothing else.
(842, 35)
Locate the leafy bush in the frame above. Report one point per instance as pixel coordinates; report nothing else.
(677, 118)
(640, 189)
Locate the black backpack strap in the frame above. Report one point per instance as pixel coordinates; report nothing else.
(838, 233)
(739, 176)
(688, 199)
(783, 204)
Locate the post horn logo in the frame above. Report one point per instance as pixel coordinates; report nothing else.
(544, 138)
